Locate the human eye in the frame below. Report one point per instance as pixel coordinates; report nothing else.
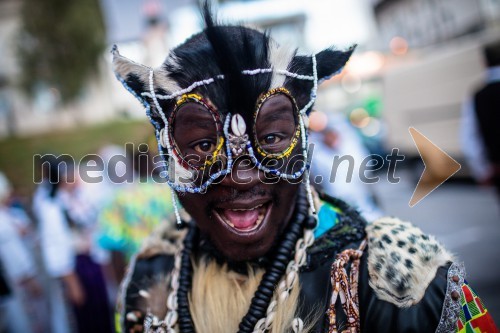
(270, 139)
(205, 146)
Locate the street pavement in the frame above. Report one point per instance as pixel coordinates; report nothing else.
(464, 217)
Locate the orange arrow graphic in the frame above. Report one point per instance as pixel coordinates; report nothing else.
(439, 166)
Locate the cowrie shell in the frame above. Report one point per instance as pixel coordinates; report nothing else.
(171, 318)
(172, 301)
(271, 307)
(260, 326)
(270, 319)
(162, 138)
(297, 325)
(143, 293)
(238, 125)
(290, 279)
(308, 237)
(283, 296)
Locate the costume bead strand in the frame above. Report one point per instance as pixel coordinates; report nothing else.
(286, 285)
(166, 140)
(274, 273)
(211, 80)
(315, 86)
(185, 322)
(346, 288)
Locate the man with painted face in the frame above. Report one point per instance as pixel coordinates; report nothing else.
(256, 249)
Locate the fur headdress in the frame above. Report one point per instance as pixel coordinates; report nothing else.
(225, 51)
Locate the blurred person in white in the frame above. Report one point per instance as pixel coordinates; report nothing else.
(18, 267)
(116, 170)
(480, 119)
(65, 224)
(340, 139)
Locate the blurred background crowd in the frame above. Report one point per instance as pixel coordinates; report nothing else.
(65, 243)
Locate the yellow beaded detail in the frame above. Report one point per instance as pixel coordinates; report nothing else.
(264, 97)
(215, 154)
(186, 97)
(220, 139)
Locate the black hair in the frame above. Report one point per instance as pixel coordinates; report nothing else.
(227, 50)
(224, 50)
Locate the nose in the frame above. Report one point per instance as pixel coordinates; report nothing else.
(243, 176)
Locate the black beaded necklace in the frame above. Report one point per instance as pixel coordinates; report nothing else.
(262, 297)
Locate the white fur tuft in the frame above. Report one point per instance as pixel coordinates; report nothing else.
(279, 58)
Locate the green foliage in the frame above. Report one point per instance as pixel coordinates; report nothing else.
(60, 45)
(17, 153)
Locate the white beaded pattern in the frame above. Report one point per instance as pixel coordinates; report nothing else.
(286, 284)
(172, 315)
(165, 140)
(221, 77)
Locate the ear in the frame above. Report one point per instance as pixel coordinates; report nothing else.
(133, 76)
(330, 62)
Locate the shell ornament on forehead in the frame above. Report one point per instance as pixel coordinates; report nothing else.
(238, 140)
(241, 63)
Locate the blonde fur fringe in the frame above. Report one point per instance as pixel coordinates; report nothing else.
(220, 298)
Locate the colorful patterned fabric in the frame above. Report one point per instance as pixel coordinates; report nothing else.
(132, 216)
(473, 316)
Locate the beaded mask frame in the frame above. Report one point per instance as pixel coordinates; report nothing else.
(238, 141)
(165, 137)
(184, 99)
(296, 136)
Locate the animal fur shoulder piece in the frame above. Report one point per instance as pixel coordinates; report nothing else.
(145, 285)
(164, 240)
(402, 261)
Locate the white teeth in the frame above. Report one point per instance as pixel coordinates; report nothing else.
(259, 220)
(242, 209)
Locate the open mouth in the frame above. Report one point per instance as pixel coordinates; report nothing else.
(243, 219)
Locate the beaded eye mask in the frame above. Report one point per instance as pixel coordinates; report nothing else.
(199, 133)
(196, 133)
(204, 150)
(276, 127)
